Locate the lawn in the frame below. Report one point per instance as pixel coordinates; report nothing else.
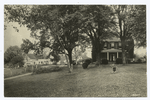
(128, 81)
(9, 72)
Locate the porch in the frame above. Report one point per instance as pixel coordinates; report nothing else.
(111, 54)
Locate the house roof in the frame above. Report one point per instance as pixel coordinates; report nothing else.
(112, 50)
(33, 56)
(113, 39)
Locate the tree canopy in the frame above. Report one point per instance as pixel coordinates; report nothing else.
(131, 22)
(63, 27)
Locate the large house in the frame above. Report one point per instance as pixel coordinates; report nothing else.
(112, 49)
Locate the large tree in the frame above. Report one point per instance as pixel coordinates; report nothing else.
(131, 22)
(98, 22)
(59, 22)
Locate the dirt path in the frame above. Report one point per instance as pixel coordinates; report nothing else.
(17, 76)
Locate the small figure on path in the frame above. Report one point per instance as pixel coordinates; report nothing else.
(114, 67)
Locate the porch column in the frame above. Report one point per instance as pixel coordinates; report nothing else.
(117, 54)
(107, 55)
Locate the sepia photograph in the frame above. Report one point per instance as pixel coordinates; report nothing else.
(68, 50)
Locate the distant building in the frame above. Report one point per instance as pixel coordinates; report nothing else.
(32, 59)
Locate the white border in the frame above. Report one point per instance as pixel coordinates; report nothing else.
(93, 2)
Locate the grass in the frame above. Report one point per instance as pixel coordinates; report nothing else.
(128, 81)
(9, 72)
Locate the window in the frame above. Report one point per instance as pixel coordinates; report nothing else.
(119, 44)
(105, 45)
(116, 45)
(108, 45)
(112, 44)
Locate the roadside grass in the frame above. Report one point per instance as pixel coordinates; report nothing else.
(9, 72)
(129, 81)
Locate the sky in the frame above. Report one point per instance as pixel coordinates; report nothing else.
(12, 37)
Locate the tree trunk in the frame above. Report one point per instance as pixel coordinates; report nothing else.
(99, 54)
(76, 56)
(123, 57)
(123, 52)
(70, 60)
(95, 51)
(94, 55)
(98, 58)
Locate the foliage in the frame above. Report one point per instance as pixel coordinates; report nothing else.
(104, 61)
(11, 52)
(63, 27)
(119, 61)
(139, 61)
(61, 22)
(140, 27)
(56, 57)
(85, 65)
(18, 61)
(131, 23)
(78, 51)
(27, 45)
(88, 61)
(46, 70)
(98, 24)
(74, 62)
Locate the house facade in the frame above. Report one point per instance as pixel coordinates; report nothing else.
(32, 59)
(113, 50)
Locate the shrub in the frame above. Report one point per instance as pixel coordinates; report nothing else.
(85, 65)
(139, 61)
(17, 60)
(74, 62)
(119, 61)
(104, 61)
(88, 61)
(129, 61)
(46, 70)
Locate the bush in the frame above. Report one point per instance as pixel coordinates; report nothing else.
(46, 70)
(139, 61)
(17, 60)
(74, 62)
(104, 61)
(119, 61)
(129, 61)
(88, 61)
(85, 65)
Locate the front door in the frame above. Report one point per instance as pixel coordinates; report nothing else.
(112, 57)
